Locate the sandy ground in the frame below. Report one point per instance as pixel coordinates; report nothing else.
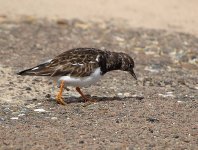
(159, 111)
(175, 15)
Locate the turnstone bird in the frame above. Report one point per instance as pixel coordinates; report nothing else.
(81, 67)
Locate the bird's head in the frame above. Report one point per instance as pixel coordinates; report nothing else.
(127, 64)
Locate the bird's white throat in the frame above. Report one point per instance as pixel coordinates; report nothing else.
(82, 81)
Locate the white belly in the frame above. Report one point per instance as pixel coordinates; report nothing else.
(82, 82)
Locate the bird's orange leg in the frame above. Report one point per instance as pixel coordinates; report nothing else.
(59, 98)
(83, 96)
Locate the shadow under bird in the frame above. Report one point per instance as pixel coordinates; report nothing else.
(81, 67)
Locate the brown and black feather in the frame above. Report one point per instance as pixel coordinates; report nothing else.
(81, 62)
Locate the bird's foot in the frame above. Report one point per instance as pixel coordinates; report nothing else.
(84, 97)
(60, 100)
(88, 101)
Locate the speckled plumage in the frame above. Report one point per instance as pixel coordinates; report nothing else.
(81, 62)
(81, 67)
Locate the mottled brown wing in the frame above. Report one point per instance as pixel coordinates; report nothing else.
(77, 63)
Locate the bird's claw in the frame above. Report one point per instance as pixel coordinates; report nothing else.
(60, 100)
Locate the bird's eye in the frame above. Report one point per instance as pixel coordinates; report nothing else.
(130, 65)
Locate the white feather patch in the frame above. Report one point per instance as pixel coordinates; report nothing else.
(97, 58)
(77, 64)
(83, 81)
(35, 68)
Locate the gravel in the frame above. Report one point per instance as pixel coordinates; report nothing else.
(159, 111)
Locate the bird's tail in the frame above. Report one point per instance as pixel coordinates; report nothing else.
(40, 70)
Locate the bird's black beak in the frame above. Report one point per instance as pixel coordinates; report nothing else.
(133, 74)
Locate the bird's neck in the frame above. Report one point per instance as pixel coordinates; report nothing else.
(114, 62)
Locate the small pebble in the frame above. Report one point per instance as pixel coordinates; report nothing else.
(119, 94)
(150, 69)
(151, 119)
(21, 115)
(40, 110)
(127, 94)
(117, 121)
(28, 89)
(81, 142)
(54, 118)
(14, 118)
(139, 97)
(30, 105)
(47, 95)
(62, 22)
(151, 130)
(168, 94)
(2, 119)
(34, 99)
(176, 136)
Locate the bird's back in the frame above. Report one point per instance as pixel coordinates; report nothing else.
(75, 62)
